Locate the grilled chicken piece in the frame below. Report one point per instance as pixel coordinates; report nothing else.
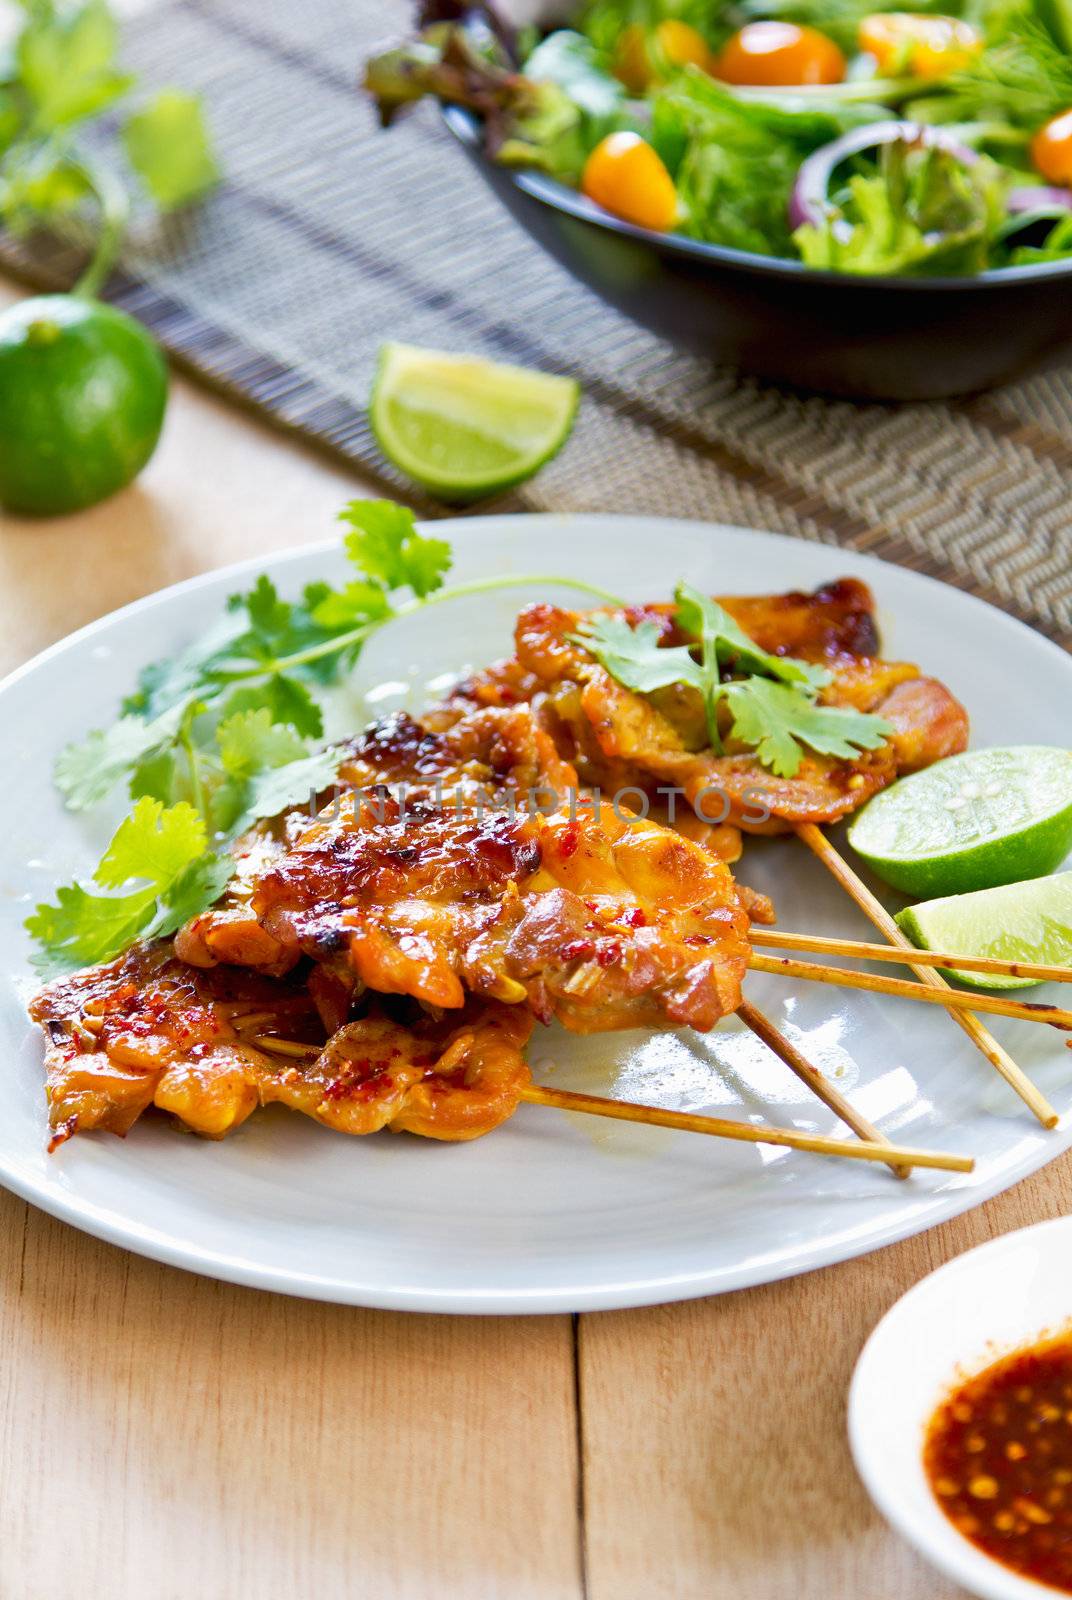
(617, 738)
(486, 754)
(443, 1079)
(477, 759)
(147, 1030)
(601, 922)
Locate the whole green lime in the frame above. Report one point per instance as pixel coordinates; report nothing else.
(83, 391)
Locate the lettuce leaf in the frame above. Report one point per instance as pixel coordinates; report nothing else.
(735, 160)
(922, 214)
(1055, 247)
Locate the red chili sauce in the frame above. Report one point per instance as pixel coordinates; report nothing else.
(998, 1456)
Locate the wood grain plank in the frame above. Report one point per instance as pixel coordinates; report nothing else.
(714, 1449)
(168, 1434)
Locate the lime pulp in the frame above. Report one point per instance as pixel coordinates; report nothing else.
(970, 822)
(465, 427)
(1017, 922)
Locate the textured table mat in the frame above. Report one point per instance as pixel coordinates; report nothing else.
(328, 237)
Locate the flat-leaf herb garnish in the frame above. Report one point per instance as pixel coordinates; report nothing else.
(772, 700)
(223, 733)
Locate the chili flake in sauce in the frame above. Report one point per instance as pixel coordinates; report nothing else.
(998, 1456)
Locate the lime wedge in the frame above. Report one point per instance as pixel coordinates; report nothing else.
(463, 427)
(1018, 922)
(971, 822)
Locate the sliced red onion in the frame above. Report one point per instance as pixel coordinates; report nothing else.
(1038, 198)
(810, 197)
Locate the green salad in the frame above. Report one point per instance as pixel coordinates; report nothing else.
(828, 132)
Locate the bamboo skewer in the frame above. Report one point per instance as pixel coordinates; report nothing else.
(749, 1132)
(690, 1122)
(879, 983)
(861, 950)
(816, 1081)
(980, 1036)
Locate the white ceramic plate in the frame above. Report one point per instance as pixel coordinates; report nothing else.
(552, 1212)
(975, 1309)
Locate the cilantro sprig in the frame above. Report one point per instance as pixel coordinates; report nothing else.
(160, 862)
(63, 71)
(771, 699)
(225, 732)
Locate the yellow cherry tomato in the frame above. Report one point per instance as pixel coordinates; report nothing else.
(625, 176)
(631, 63)
(682, 45)
(779, 54)
(927, 47)
(675, 43)
(1051, 149)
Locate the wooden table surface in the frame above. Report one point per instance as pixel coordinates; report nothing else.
(168, 1435)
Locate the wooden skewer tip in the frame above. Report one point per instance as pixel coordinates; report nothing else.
(690, 1122)
(981, 1037)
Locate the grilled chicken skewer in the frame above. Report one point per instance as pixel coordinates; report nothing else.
(150, 1031)
(619, 738)
(473, 898)
(596, 919)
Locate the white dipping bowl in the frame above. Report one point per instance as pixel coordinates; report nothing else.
(977, 1308)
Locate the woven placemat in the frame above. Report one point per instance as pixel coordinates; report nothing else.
(328, 236)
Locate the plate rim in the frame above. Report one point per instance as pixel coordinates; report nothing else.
(104, 1224)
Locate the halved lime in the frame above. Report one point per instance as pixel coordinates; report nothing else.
(1018, 922)
(465, 427)
(971, 822)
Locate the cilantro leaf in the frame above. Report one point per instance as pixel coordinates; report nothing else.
(633, 655)
(773, 709)
(427, 563)
(152, 843)
(277, 789)
(777, 719)
(192, 892)
(163, 775)
(66, 63)
(85, 773)
(192, 672)
(286, 701)
(384, 544)
(349, 607)
(167, 144)
(250, 740)
(83, 928)
(269, 616)
(265, 769)
(163, 852)
(726, 640)
(59, 69)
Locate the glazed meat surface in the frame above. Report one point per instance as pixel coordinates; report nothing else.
(616, 738)
(148, 1030)
(599, 922)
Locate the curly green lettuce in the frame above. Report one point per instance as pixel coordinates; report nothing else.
(923, 213)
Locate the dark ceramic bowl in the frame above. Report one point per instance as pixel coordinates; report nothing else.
(870, 338)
